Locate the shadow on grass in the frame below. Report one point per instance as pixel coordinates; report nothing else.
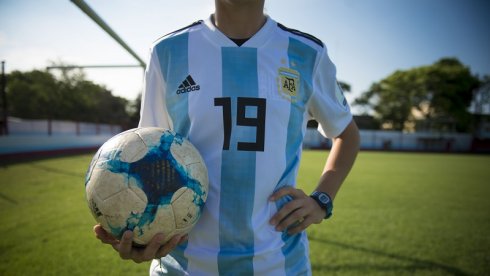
(414, 263)
(7, 160)
(57, 170)
(8, 199)
(33, 159)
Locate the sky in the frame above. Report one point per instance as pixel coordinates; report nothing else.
(366, 39)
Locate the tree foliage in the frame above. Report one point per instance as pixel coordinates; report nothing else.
(40, 95)
(345, 86)
(439, 92)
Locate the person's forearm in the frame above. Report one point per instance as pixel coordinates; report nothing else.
(340, 160)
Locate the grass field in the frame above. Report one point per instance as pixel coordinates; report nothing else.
(397, 214)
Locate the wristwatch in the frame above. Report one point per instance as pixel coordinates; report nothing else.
(325, 201)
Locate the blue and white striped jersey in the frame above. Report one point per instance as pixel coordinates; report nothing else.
(245, 109)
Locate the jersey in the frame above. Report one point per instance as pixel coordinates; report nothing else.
(245, 109)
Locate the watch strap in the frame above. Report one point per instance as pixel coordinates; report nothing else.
(325, 201)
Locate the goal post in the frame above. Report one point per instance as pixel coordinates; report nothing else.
(97, 19)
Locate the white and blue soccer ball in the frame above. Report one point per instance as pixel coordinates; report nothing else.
(148, 180)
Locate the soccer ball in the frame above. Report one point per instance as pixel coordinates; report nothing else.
(148, 180)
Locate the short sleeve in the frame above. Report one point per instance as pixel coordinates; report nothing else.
(327, 105)
(153, 111)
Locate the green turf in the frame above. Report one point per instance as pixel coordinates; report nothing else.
(46, 225)
(397, 214)
(405, 214)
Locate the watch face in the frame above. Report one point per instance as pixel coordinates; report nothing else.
(323, 198)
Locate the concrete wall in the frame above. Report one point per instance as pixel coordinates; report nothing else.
(31, 136)
(55, 127)
(396, 140)
(13, 144)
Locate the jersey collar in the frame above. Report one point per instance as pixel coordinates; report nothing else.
(256, 41)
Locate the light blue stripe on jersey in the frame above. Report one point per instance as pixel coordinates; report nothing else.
(237, 192)
(173, 57)
(302, 59)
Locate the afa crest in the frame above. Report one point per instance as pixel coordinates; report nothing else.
(288, 83)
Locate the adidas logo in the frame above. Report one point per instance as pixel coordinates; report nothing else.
(188, 85)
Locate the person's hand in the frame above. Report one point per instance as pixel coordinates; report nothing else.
(297, 214)
(153, 250)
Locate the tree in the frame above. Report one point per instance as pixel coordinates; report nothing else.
(40, 95)
(31, 94)
(481, 98)
(441, 92)
(345, 86)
